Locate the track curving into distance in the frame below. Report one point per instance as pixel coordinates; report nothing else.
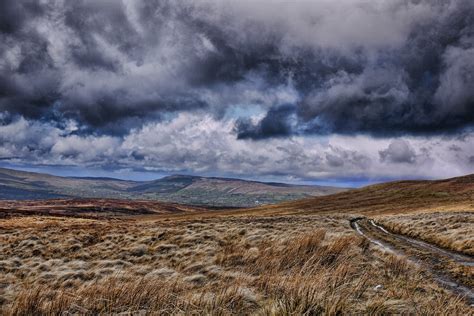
(431, 257)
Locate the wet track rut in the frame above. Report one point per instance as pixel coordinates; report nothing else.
(429, 256)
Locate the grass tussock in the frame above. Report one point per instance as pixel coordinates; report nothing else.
(449, 230)
(280, 265)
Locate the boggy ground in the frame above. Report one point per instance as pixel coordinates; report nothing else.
(274, 265)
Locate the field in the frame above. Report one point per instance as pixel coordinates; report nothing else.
(289, 259)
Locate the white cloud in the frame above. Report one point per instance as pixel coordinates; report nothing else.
(204, 145)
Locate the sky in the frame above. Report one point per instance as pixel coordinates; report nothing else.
(344, 92)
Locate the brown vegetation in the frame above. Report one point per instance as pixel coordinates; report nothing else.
(277, 265)
(91, 208)
(389, 198)
(450, 230)
(294, 258)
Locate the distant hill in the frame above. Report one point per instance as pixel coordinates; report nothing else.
(391, 197)
(194, 190)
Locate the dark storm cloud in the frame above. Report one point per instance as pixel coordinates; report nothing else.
(423, 87)
(86, 79)
(91, 21)
(113, 66)
(14, 14)
(276, 123)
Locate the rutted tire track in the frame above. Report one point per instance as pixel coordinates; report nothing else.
(429, 256)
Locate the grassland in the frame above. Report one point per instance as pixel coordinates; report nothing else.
(232, 265)
(389, 198)
(295, 258)
(450, 230)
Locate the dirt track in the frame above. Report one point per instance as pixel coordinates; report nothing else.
(450, 269)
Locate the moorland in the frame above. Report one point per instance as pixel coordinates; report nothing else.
(298, 257)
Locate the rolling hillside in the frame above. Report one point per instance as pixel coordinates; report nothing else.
(218, 192)
(303, 254)
(391, 197)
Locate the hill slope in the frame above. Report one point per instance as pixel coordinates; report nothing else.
(391, 197)
(225, 191)
(219, 192)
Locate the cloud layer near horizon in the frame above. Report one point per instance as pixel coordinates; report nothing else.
(306, 89)
(204, 145)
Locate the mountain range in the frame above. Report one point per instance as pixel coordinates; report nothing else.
(186, 189)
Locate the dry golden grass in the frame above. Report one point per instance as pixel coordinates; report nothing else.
(289, 259)
(450, 230)
(278, 265)
(399, 197)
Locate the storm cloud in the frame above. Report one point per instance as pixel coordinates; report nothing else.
(385, 68)
(98, 73)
